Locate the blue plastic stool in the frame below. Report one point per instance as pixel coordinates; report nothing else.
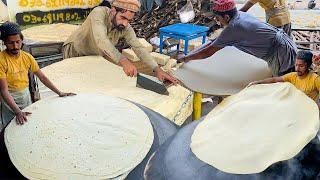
(183, 31)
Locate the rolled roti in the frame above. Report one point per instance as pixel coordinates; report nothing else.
(226, 72)
(88, 136)
(256, 128)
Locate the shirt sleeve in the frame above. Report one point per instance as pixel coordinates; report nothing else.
(99, 30)
(3, 71)
(253, 1)
(34, 67)
(288, 77)
(137, 47)
(227, 37)
(317, 83)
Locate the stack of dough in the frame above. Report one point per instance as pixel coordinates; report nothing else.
(299, 18)
(49, 33)
(87, 136)
(95, 74)
(4, 14)
(256, 128)
(306, 19)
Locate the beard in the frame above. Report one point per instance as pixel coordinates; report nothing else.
(116, 26)
(14, 51)
(120, 27)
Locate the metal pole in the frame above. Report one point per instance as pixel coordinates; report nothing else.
(197, 101)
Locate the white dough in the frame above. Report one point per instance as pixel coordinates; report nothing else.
(87, 136)
(4, 15)
(49, 32)
(226, 72)
(259, 126)
(95, 74)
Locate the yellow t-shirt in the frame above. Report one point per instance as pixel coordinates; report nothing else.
(15, 69)
(279, 19)
(310, 84)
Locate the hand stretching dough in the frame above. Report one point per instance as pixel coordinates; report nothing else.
(226, 72)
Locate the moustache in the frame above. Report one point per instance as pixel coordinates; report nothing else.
(14, 51)
(120, 27)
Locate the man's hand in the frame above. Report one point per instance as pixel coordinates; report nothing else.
(163, 76)
(252, 83)
(63, 94)
(316, 59)
(21, 117)
(182, 58)
(128, 67)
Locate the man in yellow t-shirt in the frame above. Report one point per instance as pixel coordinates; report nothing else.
(303, 79)
(14, 82)
(277, 13)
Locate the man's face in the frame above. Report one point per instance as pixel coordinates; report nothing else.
(121, 20)
(301, 67)
(13, 44)
(222, 20)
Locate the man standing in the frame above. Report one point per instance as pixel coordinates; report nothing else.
(277, 13)
(303, 79)
(250, 35)
(14, 82)
(102, 30)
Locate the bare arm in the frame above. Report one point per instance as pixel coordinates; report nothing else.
(268, 81)
(202, 53)
(8, 99)
(21, 117)
(43, 78)
(246, 6)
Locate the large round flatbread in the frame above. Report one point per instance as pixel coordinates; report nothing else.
(226, 72)
(95, 74)
(255, 128)
(88, 136)
(50, 32)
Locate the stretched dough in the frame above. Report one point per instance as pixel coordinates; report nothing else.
(226, 72)
(88, 136)
(95, 74)
(255, 128)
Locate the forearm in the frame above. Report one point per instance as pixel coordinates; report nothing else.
(246, 6)
(268, 81)
(8, 99)
(146, 57)
(203, 53)
(49, 84)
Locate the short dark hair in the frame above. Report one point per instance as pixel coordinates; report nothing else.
(9, 29)
(231, 13)
(306, 56)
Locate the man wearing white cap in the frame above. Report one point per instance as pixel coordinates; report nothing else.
(102, 30)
